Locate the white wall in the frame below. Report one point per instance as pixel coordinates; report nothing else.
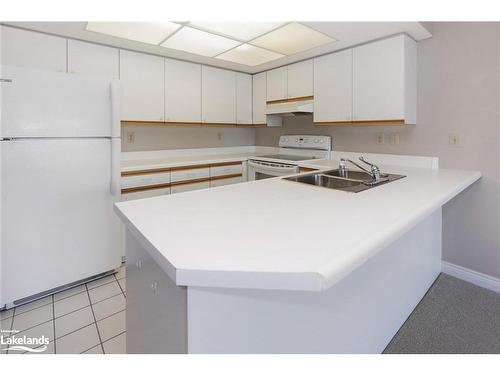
(458, 92)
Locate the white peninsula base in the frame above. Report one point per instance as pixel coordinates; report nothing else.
(359, 314)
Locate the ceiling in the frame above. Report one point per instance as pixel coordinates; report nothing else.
(250, 48)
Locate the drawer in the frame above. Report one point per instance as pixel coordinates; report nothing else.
(189, 174)
(189, 187)
(145, 194)
(145, 180)
(223, 170)
(226, 181)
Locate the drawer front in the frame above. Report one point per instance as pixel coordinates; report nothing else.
(223, 170)
(226, 181)
(189, 187)
(145, 180)
(145, 194)
(189, 174)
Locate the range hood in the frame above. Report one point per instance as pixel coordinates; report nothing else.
(290, 107)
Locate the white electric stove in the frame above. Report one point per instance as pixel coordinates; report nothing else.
(293, 149)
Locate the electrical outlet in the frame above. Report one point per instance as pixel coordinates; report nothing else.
(130, 137)
(219, 136)
(394, 139)
(453, 139)
(379, 138)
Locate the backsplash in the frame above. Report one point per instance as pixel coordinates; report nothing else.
(148, 138)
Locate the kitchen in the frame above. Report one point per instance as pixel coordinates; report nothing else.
(280, 187)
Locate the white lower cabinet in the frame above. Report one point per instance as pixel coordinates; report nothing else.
(189, 187)
(145, 194)
(189, 174)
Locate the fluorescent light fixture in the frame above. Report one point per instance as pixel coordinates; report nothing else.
(238, 30)
(249, 55)
(199, 42)
(292, 38)
(145, 32)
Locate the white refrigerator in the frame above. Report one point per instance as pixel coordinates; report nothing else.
(60, 176)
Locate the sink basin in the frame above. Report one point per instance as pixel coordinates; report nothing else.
(353, 181)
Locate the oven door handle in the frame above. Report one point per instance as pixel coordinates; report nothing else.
(270, 168)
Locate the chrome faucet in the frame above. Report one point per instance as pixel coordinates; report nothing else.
(374, 171)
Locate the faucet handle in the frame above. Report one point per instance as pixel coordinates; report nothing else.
(366, 162)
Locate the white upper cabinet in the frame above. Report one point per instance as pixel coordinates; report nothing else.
(33, 50)
(259, 98)
(243, 98)
(142, 85)
(384, 80)
(93, 59)
(300, 79)
(218, 95)
(333, 87)
(277, 84)
(182, 91)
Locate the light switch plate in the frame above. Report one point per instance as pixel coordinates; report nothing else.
(394, 139)
(130, 137)
(380, 138)
(453, 139)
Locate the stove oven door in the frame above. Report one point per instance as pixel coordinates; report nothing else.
(259, 170)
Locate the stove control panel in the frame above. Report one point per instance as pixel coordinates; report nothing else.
(313, 142)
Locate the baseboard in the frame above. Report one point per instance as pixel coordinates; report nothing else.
(473, 277)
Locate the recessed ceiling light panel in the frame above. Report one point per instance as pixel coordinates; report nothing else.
(239, 30)
(292, 38)
(199, 42)
(249, 55)
(145, 32)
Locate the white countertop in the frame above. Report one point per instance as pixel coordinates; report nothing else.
(278, 234)
(169, 162)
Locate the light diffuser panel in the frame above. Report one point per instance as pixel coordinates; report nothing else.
(249, 55)
(199, 42)
(145, 32)
(292, 38)
(239, 30)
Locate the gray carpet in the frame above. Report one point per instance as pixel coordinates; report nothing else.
(453, 317)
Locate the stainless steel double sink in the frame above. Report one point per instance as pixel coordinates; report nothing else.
(351, 181)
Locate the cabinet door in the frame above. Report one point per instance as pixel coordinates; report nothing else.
(93, 59)
(218, 95)
(300, 79)
(33, 50)
(182, 91)
(142, 83)
(243, 98)
(378, 80)
(259, 98)
(277, 86)
(333, 87)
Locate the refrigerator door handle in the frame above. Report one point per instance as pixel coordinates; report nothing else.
(115, 108)
(114, 186)
(5, 80)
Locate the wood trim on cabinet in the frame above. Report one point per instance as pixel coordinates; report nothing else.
(187, 182)
(145, 171)
(223, 177)
(391, 122)
(184, 167)
(289, 100)
(174, 123)
(144, 123)
(226, 163)
(145, 188)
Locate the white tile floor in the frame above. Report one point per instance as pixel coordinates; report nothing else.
(86, 319)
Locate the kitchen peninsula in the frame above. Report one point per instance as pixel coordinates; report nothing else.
(275, 266)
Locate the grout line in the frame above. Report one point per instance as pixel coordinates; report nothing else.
(95, 321)
(109, 316)
(115, 336)
(95, 346)
(119, 285)
(24, 312)
(54, 323)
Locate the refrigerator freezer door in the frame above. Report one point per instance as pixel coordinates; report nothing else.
(39, 103)
(58, 224)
